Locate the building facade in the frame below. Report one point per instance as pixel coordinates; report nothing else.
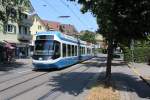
(52, 25)
(68, 29)
(37, 26)
(17, 31)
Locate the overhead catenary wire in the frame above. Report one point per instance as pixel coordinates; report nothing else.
(53, 7)
(69, 8)
(72, 11)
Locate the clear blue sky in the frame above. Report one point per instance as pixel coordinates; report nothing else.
(52, 9)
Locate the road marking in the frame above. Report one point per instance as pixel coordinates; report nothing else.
(25, 71)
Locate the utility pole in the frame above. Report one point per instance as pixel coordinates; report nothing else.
(132, 50)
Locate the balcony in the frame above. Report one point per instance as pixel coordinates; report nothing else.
(24, 37)
(27, 22)
(25, 19)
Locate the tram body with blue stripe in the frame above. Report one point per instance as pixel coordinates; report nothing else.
(56, 50)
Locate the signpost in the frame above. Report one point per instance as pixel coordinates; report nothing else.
(132, 50)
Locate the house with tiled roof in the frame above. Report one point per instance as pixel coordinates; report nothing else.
(68, 29)
(52, 25)
(38, 26)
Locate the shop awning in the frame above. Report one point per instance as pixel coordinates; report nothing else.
(9, 46)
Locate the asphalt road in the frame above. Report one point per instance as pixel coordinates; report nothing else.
(19, 82)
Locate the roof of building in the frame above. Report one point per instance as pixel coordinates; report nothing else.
(40, 20)
(52, 24)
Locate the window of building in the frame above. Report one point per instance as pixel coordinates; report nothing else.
(10, 28)
(25, 30)
(20, 29)
(64, 50)
(23, 16)
(39, 27)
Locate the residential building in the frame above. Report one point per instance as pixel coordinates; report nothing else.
(17, 31)
(100, 41)
(52, 25)
(38, 26)
(68, 29)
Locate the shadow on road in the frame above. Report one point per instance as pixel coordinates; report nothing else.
(11, 66)
(75, 83)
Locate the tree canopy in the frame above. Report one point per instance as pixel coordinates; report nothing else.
(123, 19)
(119, 21)
(88, 36)
(11, 8)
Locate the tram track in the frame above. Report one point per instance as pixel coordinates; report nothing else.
(59, 94)
(22, 81)
(19, 75)
(12, 86)
(10, 71)
(52, 92)
(62, 74)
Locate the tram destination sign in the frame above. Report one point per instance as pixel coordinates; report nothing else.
(45, 37)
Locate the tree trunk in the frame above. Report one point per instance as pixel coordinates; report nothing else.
(109, 59)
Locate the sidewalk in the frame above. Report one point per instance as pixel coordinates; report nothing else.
(19, 63)
(129, 84)
(24, 61)
(143, 70)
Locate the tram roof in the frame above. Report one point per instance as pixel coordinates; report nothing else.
(61, 36)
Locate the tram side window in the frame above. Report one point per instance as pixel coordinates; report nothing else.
(75, 50)
(88, 50)
(80, 51)
(93, 50)
(56, 50)
(69, 50)
(83, 50)
(64, 50)
(72, 50)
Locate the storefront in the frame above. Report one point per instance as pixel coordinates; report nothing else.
(22, 50)
(7, 52)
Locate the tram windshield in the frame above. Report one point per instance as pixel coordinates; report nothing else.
(44, 47)
(48, 48)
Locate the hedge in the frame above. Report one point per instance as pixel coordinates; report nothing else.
(141, 54)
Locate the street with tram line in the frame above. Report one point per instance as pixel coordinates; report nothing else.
(23, 83)
(71, 83)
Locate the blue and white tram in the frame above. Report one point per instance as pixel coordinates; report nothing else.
(56, 50)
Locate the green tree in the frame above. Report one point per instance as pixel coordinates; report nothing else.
(119, 22)
(11, 9)
(88, 36)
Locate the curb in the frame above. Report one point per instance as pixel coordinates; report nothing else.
(140, 76)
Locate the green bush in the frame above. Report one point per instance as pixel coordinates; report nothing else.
(127, 55)
(99, 50)
(141, 54)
